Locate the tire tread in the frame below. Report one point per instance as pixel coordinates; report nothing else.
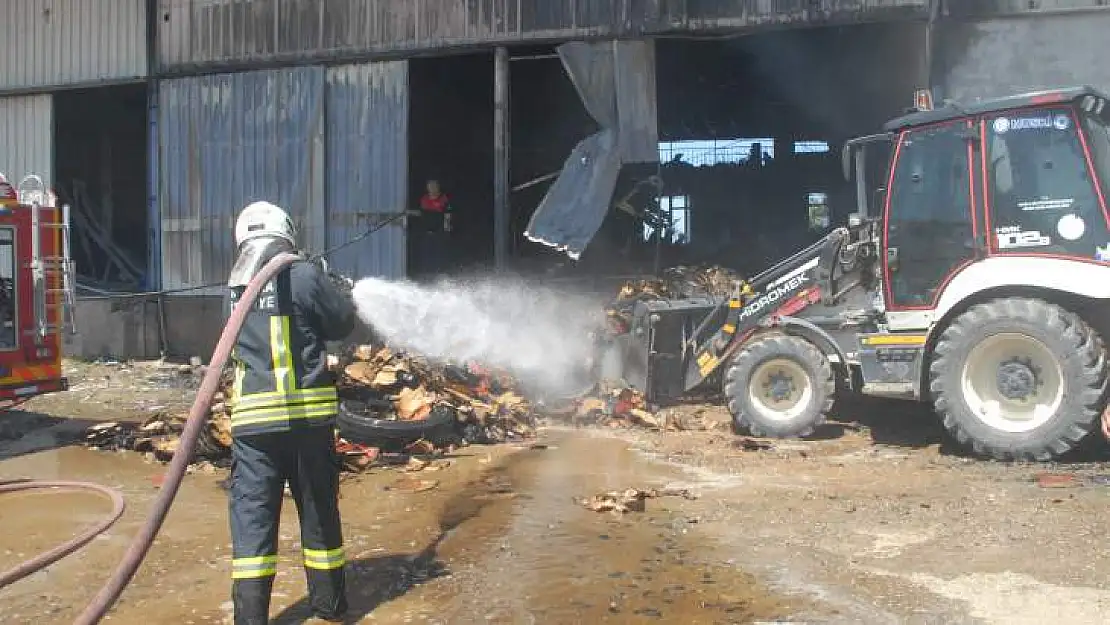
(1089, 387)
(760, 348)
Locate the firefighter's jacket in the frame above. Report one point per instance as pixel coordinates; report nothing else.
(282, 382)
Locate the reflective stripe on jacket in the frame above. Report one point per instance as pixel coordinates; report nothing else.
(281, 376)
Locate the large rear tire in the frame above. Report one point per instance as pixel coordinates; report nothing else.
(779, 386)
(1018, 379)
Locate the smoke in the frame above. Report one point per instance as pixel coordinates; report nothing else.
(540, 335)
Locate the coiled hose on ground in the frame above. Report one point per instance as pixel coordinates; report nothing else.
(141, 543)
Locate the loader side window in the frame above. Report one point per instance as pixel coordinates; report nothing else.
(1098, 137)
(1042, 197)
(8, 308)
(929, 229)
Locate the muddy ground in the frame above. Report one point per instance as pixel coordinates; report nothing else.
(875, 520)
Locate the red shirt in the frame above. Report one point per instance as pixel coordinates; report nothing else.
(434, 211)
(438, 204)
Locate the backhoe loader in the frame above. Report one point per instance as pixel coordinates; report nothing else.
(976, 278)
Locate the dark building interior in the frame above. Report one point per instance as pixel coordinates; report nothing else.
(451, 140)
(750, 129)
(100, 170)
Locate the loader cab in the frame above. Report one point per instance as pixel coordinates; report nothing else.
(1024, 175)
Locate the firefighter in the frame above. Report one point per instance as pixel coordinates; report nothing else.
(284, 404)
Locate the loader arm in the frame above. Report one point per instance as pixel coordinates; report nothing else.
(823, 272)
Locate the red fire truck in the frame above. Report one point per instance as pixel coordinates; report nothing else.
(37, 290)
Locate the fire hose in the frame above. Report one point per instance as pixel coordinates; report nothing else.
(141, 543)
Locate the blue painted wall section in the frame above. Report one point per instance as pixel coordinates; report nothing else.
(328, 145)
(228, 140)
(367, 165)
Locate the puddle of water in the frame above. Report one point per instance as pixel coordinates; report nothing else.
(514, 546)
(541, 558)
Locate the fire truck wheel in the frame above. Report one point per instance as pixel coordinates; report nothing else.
(779, 386)
(1018, 379)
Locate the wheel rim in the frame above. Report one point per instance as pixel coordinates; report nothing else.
(1013, 382)
(780, 389)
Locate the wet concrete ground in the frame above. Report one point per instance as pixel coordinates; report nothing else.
(878, 519)
(499, 541)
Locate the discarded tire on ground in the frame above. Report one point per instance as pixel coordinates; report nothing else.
(358, 426)
(779, 386)
(1018, 379)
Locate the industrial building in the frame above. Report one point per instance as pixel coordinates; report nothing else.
(158, 119)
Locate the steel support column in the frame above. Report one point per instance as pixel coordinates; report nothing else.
(501, 234)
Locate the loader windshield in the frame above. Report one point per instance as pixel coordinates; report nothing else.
(1042, 196)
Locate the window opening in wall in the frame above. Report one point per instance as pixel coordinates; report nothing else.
(9, 310)
(709, 152)
(818, 208)
(811, 147)
(676, 210)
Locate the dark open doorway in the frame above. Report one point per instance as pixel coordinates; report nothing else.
(100, 170)
(451, 141)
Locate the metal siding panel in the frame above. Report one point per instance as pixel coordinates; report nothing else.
(213, 33)
(26, 132)
(367, 173)
(227, 140)
(52, 43)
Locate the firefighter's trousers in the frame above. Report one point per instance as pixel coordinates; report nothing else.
(260, 466)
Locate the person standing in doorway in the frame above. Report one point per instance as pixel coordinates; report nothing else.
(435, 228)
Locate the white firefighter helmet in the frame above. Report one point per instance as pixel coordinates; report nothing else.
(262, 231)
(264, 220)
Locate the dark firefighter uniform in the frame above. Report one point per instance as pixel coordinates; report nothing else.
(284, 405)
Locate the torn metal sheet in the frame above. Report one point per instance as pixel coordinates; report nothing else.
(591, 70)
(616, 82)
(575, 207)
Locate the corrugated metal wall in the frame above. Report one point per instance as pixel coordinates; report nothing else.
(27, 133)
(367, 173)
(46, 43)
(227, 140)
(195, 33)
(330, 146)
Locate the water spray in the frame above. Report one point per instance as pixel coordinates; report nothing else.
(541, 336)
